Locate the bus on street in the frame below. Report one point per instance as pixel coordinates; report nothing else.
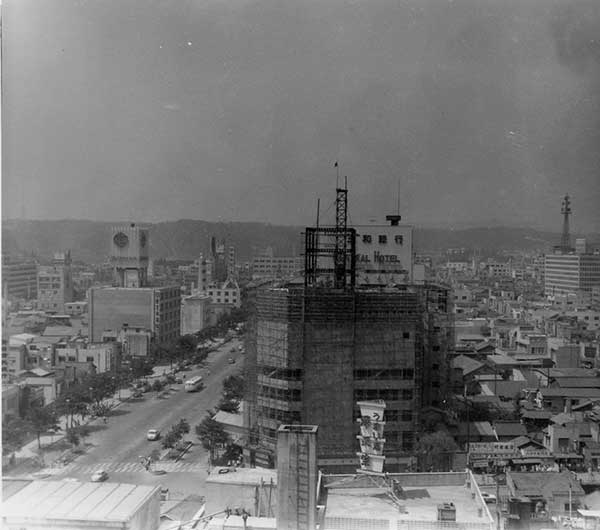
(193, 384)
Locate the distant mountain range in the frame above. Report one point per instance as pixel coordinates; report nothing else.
(186, 239)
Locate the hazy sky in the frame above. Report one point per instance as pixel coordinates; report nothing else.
(487, 112)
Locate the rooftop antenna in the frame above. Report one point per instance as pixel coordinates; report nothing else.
(398, 199)
(565, 241)
(337, 175)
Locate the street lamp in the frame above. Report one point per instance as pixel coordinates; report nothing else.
(68, 402)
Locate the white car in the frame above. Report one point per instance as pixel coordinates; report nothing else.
(99, 476)
(488, 497)
(153, 435)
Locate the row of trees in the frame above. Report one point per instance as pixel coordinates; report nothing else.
(38, 420)
(87, 397)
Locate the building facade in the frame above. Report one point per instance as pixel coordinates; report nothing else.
(129, 255)
(105, 357)
(281, 267)
(19, 278)
(317, 352)
(571, 273)
(195, 313)
(55, 283)
(154, 308)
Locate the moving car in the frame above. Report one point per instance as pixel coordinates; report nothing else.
(153, 435)
(99, 476)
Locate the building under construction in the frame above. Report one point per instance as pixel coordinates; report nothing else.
(317, 348)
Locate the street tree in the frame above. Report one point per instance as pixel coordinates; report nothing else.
(435, 447)
(100, 386)
(212, 435)
(182, 427)
(72, 436)
(14, 434)
(229, 405)
(42, 419)
(170, 439)
(233, 387)
(185, 346)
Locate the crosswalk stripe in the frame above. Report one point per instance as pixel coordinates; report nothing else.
(124, 467)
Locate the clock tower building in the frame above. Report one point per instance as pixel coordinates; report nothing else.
(129, 255)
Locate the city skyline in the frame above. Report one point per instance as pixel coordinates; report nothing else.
(238, 112)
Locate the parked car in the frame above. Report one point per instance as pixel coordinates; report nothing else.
(99, 476)
(153, 435)
(178, 380)
(231, 360)
(137, 394)
(488, 497)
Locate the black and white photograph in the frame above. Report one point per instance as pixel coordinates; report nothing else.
(300, 264)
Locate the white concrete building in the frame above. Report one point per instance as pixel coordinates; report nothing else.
(74, 505)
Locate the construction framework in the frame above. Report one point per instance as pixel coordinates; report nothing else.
(318, 347)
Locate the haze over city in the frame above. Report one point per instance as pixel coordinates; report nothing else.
(485, 112)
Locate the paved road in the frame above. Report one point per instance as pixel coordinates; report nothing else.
(117, 446)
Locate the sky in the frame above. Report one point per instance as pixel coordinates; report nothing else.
(470, 112)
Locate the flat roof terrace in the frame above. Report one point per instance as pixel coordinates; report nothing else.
(416, 507)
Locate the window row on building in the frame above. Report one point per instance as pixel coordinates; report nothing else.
(387, 394)
(293, 416)
(282, 394)
(285, 374)
(387, 374)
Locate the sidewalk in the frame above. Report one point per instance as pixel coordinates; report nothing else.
(31, 458)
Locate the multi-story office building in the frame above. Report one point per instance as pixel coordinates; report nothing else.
(19, 278)
(133, 303)
(55, 283)
(272, 267)
(497, 269)
(205, 273)
(195, 313)
(570, 273)
(153, 308)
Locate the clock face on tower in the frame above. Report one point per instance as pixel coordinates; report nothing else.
(120, 240)
(143, 240)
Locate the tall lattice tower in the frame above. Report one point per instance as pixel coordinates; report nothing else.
(565, 241)
(341, 237)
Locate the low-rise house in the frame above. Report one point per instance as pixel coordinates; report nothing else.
(233, 423)
(556, 399)
(50, 381)
(474, 431)
(535, 419)
(508, 430)
(591, 455)
(567, 433)
(504, 390)
(537, 497)
(104, 356)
